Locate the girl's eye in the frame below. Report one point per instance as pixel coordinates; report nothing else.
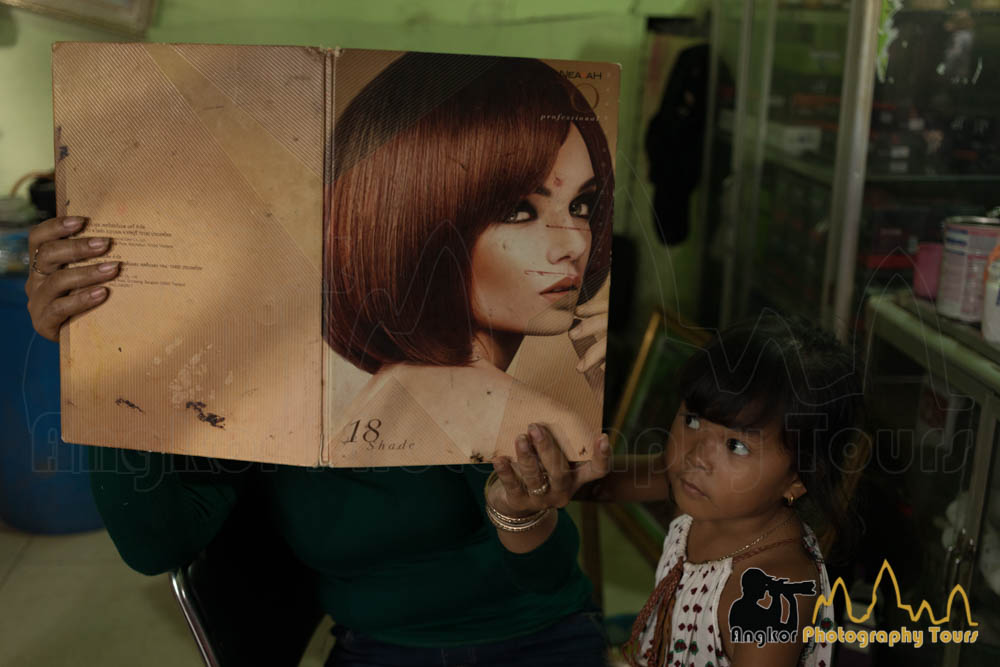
(523, 212)
(737, 447)
(691, 421)
(583, 206)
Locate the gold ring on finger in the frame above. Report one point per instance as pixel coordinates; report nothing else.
(540, 491)
(34, 263)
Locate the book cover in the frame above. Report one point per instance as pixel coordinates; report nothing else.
(336, 257)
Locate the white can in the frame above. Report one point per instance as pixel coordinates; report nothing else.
(968, 241)
(991, 300)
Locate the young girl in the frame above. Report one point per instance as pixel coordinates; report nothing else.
(769, 410)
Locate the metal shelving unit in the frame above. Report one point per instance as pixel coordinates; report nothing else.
(821, 68)
(948, 504)
(916, 133)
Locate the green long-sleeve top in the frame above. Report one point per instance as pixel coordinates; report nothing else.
(405, 556)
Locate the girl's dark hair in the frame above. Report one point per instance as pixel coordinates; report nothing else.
(784, 370)
(430, 153)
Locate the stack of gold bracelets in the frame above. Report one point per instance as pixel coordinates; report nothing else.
(512, 524)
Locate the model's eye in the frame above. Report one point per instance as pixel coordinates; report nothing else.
(691, 421)
(737, 447)
(583, 206)
(523, 212)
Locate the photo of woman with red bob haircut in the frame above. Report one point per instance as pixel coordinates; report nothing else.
(466, 260)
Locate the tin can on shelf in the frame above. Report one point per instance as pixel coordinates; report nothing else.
(968, 241)
(991, 299)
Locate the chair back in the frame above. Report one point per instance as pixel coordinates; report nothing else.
(247, 599)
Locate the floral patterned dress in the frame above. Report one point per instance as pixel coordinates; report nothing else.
(694, 639)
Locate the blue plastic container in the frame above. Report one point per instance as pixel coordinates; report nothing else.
(44, 483)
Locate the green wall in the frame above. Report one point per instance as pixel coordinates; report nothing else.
(608, 30)
(573, 29)
(665, 274)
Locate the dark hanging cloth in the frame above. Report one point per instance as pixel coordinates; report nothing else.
(674, 143)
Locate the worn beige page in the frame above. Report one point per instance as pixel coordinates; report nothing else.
(204, 164)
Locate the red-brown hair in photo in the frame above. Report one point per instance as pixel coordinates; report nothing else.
(432, 151)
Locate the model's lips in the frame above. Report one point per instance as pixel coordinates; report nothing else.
(560, 289)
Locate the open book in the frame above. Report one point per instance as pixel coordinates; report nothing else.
(336, 257)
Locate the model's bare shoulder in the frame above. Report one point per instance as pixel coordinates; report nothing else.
(467, 403)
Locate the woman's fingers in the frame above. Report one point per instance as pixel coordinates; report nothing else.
(594, 355)
(592, 307)
(596, 326)
(592, 326)
(54, 249)
(66, 293)
(79, 278)
(552, 458)
(514, 490)
(52, 229)
(532, 471)
(61, 293)
(598, 466)
(543, 462)
(49, 319)
(54, 254)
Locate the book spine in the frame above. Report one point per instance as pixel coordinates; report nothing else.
(329, 107)
(329, 83)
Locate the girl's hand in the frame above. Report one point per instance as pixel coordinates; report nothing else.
(54, 293)
(542, 467)
(593, 324)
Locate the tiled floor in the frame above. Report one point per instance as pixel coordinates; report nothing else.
(70, 600)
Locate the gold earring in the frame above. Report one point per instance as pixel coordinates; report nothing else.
(790, 499)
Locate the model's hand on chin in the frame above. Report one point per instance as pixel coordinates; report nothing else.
(593, 323)
(541, 466)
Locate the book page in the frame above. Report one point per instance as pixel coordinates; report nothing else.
(468, 231)
(204, 164)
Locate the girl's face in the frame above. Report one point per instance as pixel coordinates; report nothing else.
(527, 269)
(716, 472)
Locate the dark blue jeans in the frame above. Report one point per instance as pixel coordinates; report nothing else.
(577, 640)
